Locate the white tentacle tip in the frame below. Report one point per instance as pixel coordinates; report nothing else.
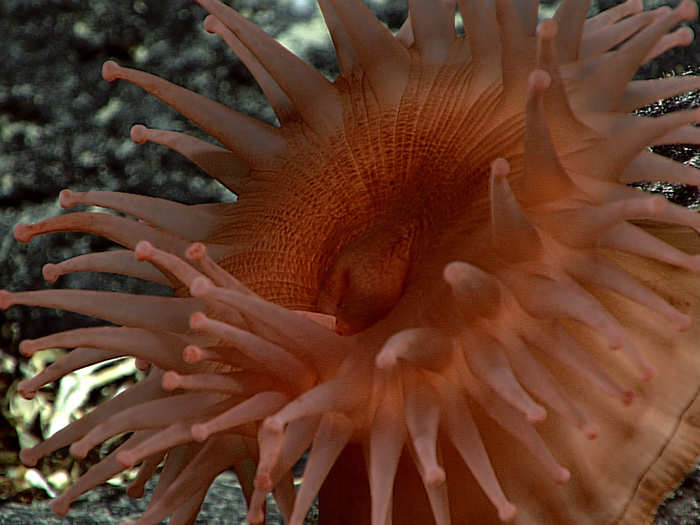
(143, 250)
(562, 476)
(171, 380)
(434, 476)
(385, 360)
(539, 80)
(196, 252)
(200, 286)
(199, 432)
(500, 167)
(507, 511)
(274, 425)
(547, 29)
(198, 321)
(536, 414)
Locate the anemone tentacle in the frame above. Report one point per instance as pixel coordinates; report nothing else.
(434, 260)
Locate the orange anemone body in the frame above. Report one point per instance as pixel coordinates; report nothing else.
(435, 278)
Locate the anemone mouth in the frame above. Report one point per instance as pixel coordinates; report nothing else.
(455, 206)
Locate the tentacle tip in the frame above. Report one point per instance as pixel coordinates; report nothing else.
(452, 272)
(562, 476)
(615, 342)
(536, 414)
(695, 263)
(198, 321)
(683, 322)
(7, 299)
(23, 232)
(110, 70)
(143, 250)
(507, 512)
(67, 198)
(274, 425)
(126, 459)
(500, 167)
(255, 516)
(51, 272)
(60, 506)
(77, 451)
(636, 6)
(196, 252)
(191, 353)
(142, 364)
(548, 29)
(139, 134)
(688, 10)
(200, 286)
(591, 430)
(648, 373)
(685, 36)
(171, 380)
(211, 24)
(28, 457)
(434, 476)
(539, 80)
(26, 390)
(26, 348)
(199, 432)
(385, 361)
(263, 482)
(135, 491)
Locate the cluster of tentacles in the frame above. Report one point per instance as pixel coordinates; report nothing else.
(248, 377)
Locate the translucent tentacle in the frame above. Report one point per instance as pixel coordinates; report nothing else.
(283, 107)
(512, 234)
(250, 140)
(570, 18)
(161, 348)
(383, 59)
(191, 222)
(433, 28)
(332, 435)
(116, 261)
(218, 162)
(138, 311)
(314, 97)
(139, 393)
(78, 358)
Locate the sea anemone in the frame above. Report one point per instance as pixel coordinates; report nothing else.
(434, 279)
